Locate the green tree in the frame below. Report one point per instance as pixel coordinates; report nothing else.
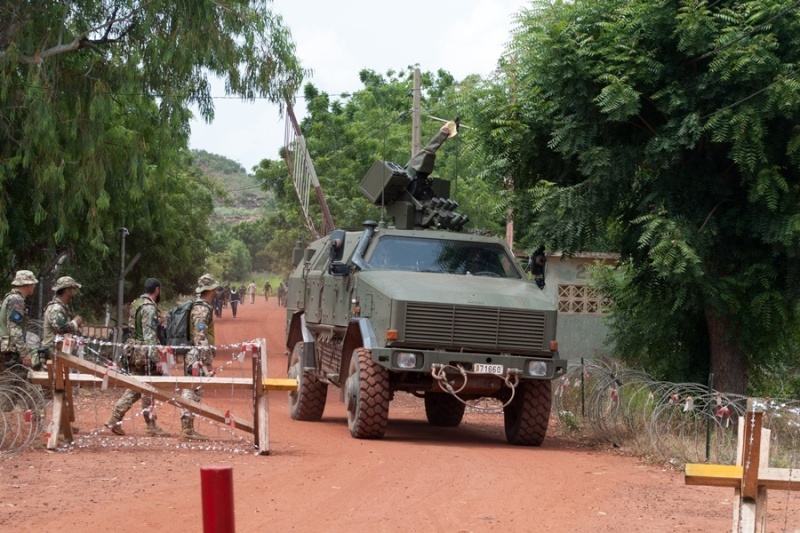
(668, 130)
(94, 113)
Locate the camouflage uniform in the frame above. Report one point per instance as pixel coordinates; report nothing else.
(420, 166)
(143, 322)
(13, 322)
(58, 318)
(200, 358)
(13, 348)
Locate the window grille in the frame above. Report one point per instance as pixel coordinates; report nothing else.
(581, 300)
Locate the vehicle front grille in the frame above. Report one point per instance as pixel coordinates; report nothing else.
(476, 328)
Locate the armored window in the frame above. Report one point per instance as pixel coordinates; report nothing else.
(394, 252)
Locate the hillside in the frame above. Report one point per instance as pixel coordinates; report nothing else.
(245, 201)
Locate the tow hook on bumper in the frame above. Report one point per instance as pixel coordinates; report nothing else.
(438, 372)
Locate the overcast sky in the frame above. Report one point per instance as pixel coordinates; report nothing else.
(338, 39)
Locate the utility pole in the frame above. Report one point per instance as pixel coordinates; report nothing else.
(509, 181)
(123, 271)
(123, 232)
(416, 120)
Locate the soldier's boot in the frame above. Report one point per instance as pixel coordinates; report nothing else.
(188, 432)
(115, 425)
(153, 429)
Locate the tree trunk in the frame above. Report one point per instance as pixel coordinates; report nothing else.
(727, 361)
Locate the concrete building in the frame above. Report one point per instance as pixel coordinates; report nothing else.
(582, 331)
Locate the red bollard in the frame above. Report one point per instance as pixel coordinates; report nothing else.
(217, 491)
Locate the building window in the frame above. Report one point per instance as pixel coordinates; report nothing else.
(581, 300)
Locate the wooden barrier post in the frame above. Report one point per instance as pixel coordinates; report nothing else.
(751, 476)
(58, 403)
(263, 404)
(69, 407)
(58, 377)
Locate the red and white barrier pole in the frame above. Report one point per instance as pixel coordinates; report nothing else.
(217, 492)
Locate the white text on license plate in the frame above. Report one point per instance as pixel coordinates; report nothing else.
(480, 368)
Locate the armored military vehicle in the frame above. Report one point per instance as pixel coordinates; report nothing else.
(419, 307)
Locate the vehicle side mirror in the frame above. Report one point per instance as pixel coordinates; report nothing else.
(308, 255)
(537, 263)
(339, 269)
(336, 249)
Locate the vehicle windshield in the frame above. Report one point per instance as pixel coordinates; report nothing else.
(393, 252)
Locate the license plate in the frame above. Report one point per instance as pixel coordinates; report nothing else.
(480, 368)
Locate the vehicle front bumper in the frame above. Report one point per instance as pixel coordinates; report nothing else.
(428, 359)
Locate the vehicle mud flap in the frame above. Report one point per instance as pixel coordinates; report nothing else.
(367, 395)
(528, 414)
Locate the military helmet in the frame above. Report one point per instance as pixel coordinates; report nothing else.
(24, 277)
(65, 282)
(206, 282)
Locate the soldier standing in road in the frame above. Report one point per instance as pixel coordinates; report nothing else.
(15, 354)
(242, 293)
(58, 319)
(199, 360)
(267, 288)
(218, 302)
(282, 294)
(145, 359)
(235, 298)
(252, 289)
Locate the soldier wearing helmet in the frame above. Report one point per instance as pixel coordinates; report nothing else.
(15, 354)
(199, 360)
(58, 318)
(144, 358)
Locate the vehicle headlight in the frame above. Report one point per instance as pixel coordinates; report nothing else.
(406, 359)
(537, 368)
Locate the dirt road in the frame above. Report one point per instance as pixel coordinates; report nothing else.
(418, 478)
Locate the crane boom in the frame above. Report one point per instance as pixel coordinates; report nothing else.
(303, 174)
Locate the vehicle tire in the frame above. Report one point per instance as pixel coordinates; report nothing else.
(367, 395)
(443, 410)
(528, 414)
(308, 401)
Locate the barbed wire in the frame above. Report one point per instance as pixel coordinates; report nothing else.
(22, 414)
(677, 423)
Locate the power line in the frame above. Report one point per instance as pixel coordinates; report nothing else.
(751, 32)
(752, 95)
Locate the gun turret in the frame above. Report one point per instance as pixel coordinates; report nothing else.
(409, 194)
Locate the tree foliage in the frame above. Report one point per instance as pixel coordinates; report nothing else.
(94, 114)
(668, 131)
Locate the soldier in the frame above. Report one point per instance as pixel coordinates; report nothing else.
(226, 295)
(282, 294)
(14, 351)
(144, 358)
(200, 358)
(235, 298)
(242, 293)
(58, 319)
(421, 165)
(218, 302)
(267, 289)
(252, 289)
